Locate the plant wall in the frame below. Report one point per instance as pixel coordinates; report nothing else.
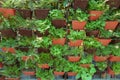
(62, 39)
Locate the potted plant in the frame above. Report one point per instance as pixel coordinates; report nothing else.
(58, 36)
(57, 17)
(104, 42)
(42, 8)
(113, 4)
(97, 8)
(7, 8)
(101, 65)
(76, 38)
(79, 19)
(11, 72)
(106, 34)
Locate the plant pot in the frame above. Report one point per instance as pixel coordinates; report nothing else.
(45, 50)
(11, 50)
(12, 78)
(41, 34)
(26, 32)
(94, 33)
(100, 58)
(75, 43)
(111, 25)
(104, 42)
(85, 65)
(71, 73)
(82, 4)
(29, 73)
(73, 58)
(7, 12)
(60, 41)
(110, 71)
(59, 73)
(25, 13)
(114, 41)
(24, 49)
(41, 13)
(1, 66)
(38, 78)
(114, 3)
(114, 58)
(77, 25)
(8, 33)
(43, 66)
(25, 58)
(59, 23)
(94, 15)
(2, 78)
(90, 50)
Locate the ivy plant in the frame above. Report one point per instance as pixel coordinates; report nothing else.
(101, 65)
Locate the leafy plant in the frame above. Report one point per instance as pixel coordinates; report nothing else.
(76, 35)
(116, 67)
(78, 15)
(115, 50)
(8, 3)
(57, 33)
(86, 60)
(106, 33)
(56, 14)
(101, 65)
(43, 42)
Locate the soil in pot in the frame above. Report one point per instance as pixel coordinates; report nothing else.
(77, 25)
(41, 13)
(94, 15)
(82, 4)
(41, 34)
(73, 58)
(8, 33)
(114, 3)
(94, 33)
(111, 25)
(25, 32)
(45, 50)
(60, 41)
(75, 43)
(100, 58)
(104, 42)
(59, 23)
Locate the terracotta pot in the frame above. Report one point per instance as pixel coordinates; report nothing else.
(94, 15)
(7, 12)
(45, 50)
(114, 58)
(41, 13)
(25, 13)
(111, 25)
(12, 78)
(60, 41)
(104, 42)
(25, 58)
(114, 3)
(26, 32)
(110, 72)
(59, 73)
(77, 25)
(11, 50)
(82, 4)
(24, 49)
(100, 58)
(2, 78)
(75, 43)
(71, 73)
(59, 23)
(38, 78)
(8, 33)
(41, 34)
(1, 66)
(73, 58)
(90, 50)
(85, 65)
(44, 66)
(94, 33)
(29, 73)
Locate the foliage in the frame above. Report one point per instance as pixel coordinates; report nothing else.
(76, 35)
(86, 59)
(115, 49)
(8, 3)
(101, 65)
(106, 33)
(116, 67)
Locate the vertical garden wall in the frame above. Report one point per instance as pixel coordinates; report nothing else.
(59, 39)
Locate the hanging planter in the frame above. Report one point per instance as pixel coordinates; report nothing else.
(59, 23)
(59, 73)
(75, 43)
(11, 50)
(8, 33)
(41, 13)
(29, 73)
(38, 79)
(85, 65)
(7, 12)
(25, 32)
(110, 71)
(77, 25)
(60, 41)
(71, 73)
(43, 66)
(25, 13)
(74, 58)
(104, 42)
(100, 58)
(12, 78)
(25, 58)
(41, 34)
(45, 50)
(94, 33)
(114, 3)
(94, 15)
(111, 25)
(1, 65)
(82, 4)
(2, 77)
(114, 58)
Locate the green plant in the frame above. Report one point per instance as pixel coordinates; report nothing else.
(11, 71)
(42, 25)
(57, 33)
(8, 3)
(56, 14)
(116, 34)
(106, 33)
(76, 35)
(58, 50)
(43, 42)
(86, 60)
(116, 67)
(78, 15)
(98, 5)
(101, 65)
(115, 50)
(44, 74)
